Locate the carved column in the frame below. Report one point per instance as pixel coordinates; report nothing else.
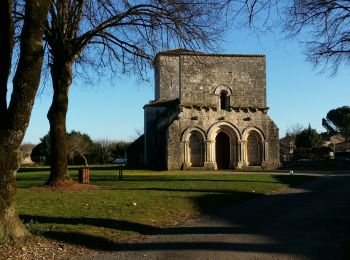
(266, 150)
(240, 154)
(209, 158)
(186, 152)
(264, 153)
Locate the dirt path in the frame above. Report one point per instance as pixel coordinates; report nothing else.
(309, 222)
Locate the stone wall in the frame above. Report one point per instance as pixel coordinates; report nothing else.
(244, 75)
(204, 119)
(152, 137)
(167, 73)
(186, 76)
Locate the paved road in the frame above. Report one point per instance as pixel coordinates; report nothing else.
(309, 222)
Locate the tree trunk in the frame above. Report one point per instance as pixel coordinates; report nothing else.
(6, 47)
(14, 119)
(61, 73)
(11, 226)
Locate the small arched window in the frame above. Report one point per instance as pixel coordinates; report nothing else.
(224, 100)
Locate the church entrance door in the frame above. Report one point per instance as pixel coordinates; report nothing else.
(222, 151)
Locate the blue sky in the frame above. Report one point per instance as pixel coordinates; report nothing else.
(296, 93)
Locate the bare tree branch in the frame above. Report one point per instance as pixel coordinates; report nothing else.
(324, 27)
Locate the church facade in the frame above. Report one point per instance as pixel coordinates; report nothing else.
(209, 112)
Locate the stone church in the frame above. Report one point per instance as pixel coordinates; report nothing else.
(209, 112)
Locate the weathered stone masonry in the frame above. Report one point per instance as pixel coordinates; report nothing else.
(210, 111)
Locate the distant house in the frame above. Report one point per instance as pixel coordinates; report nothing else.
(336, 142)
(343, 147)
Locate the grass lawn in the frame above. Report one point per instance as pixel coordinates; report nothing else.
(100, 217)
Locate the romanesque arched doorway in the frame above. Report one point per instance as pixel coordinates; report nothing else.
(196, 146)
(222, 150)
(254, 149)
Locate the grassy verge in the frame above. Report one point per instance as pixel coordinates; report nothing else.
(143, 203)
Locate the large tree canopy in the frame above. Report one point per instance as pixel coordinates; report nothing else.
(307, 142)
(116, 34)
(308, 138)
(338, 121)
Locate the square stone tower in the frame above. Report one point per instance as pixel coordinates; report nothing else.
(209, 112)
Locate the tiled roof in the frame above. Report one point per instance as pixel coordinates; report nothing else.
(178, 51)
(163, 102)
(181, 51)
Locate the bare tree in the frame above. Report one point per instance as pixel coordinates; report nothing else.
(109, 33)
(15, 115)
(119, 149)
(137, 133)
(125, 34)
(324, 28)
(287, 143)
(79, 143)
(103, 149)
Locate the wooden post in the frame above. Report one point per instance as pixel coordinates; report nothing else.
(84, 175)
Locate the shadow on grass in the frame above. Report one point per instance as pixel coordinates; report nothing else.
(74, 167)
(293, 180)
(34, 169)
(89, 241)
(27, 182)
(97, 222)
(221, 192)
(206, 204)
(285, 179)
(98, 243)
(147, 179)
(295, 224)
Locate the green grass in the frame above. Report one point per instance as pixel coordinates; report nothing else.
(163, 199)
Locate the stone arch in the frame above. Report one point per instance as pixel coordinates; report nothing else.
(226, 127)
(222, 88)
(254, 141)
(187, 133)
(253, 128)
(223, 140)
(223, 95)
(193, 140)
(196, 149)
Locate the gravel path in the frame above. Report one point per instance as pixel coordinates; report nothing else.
(308, 222)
